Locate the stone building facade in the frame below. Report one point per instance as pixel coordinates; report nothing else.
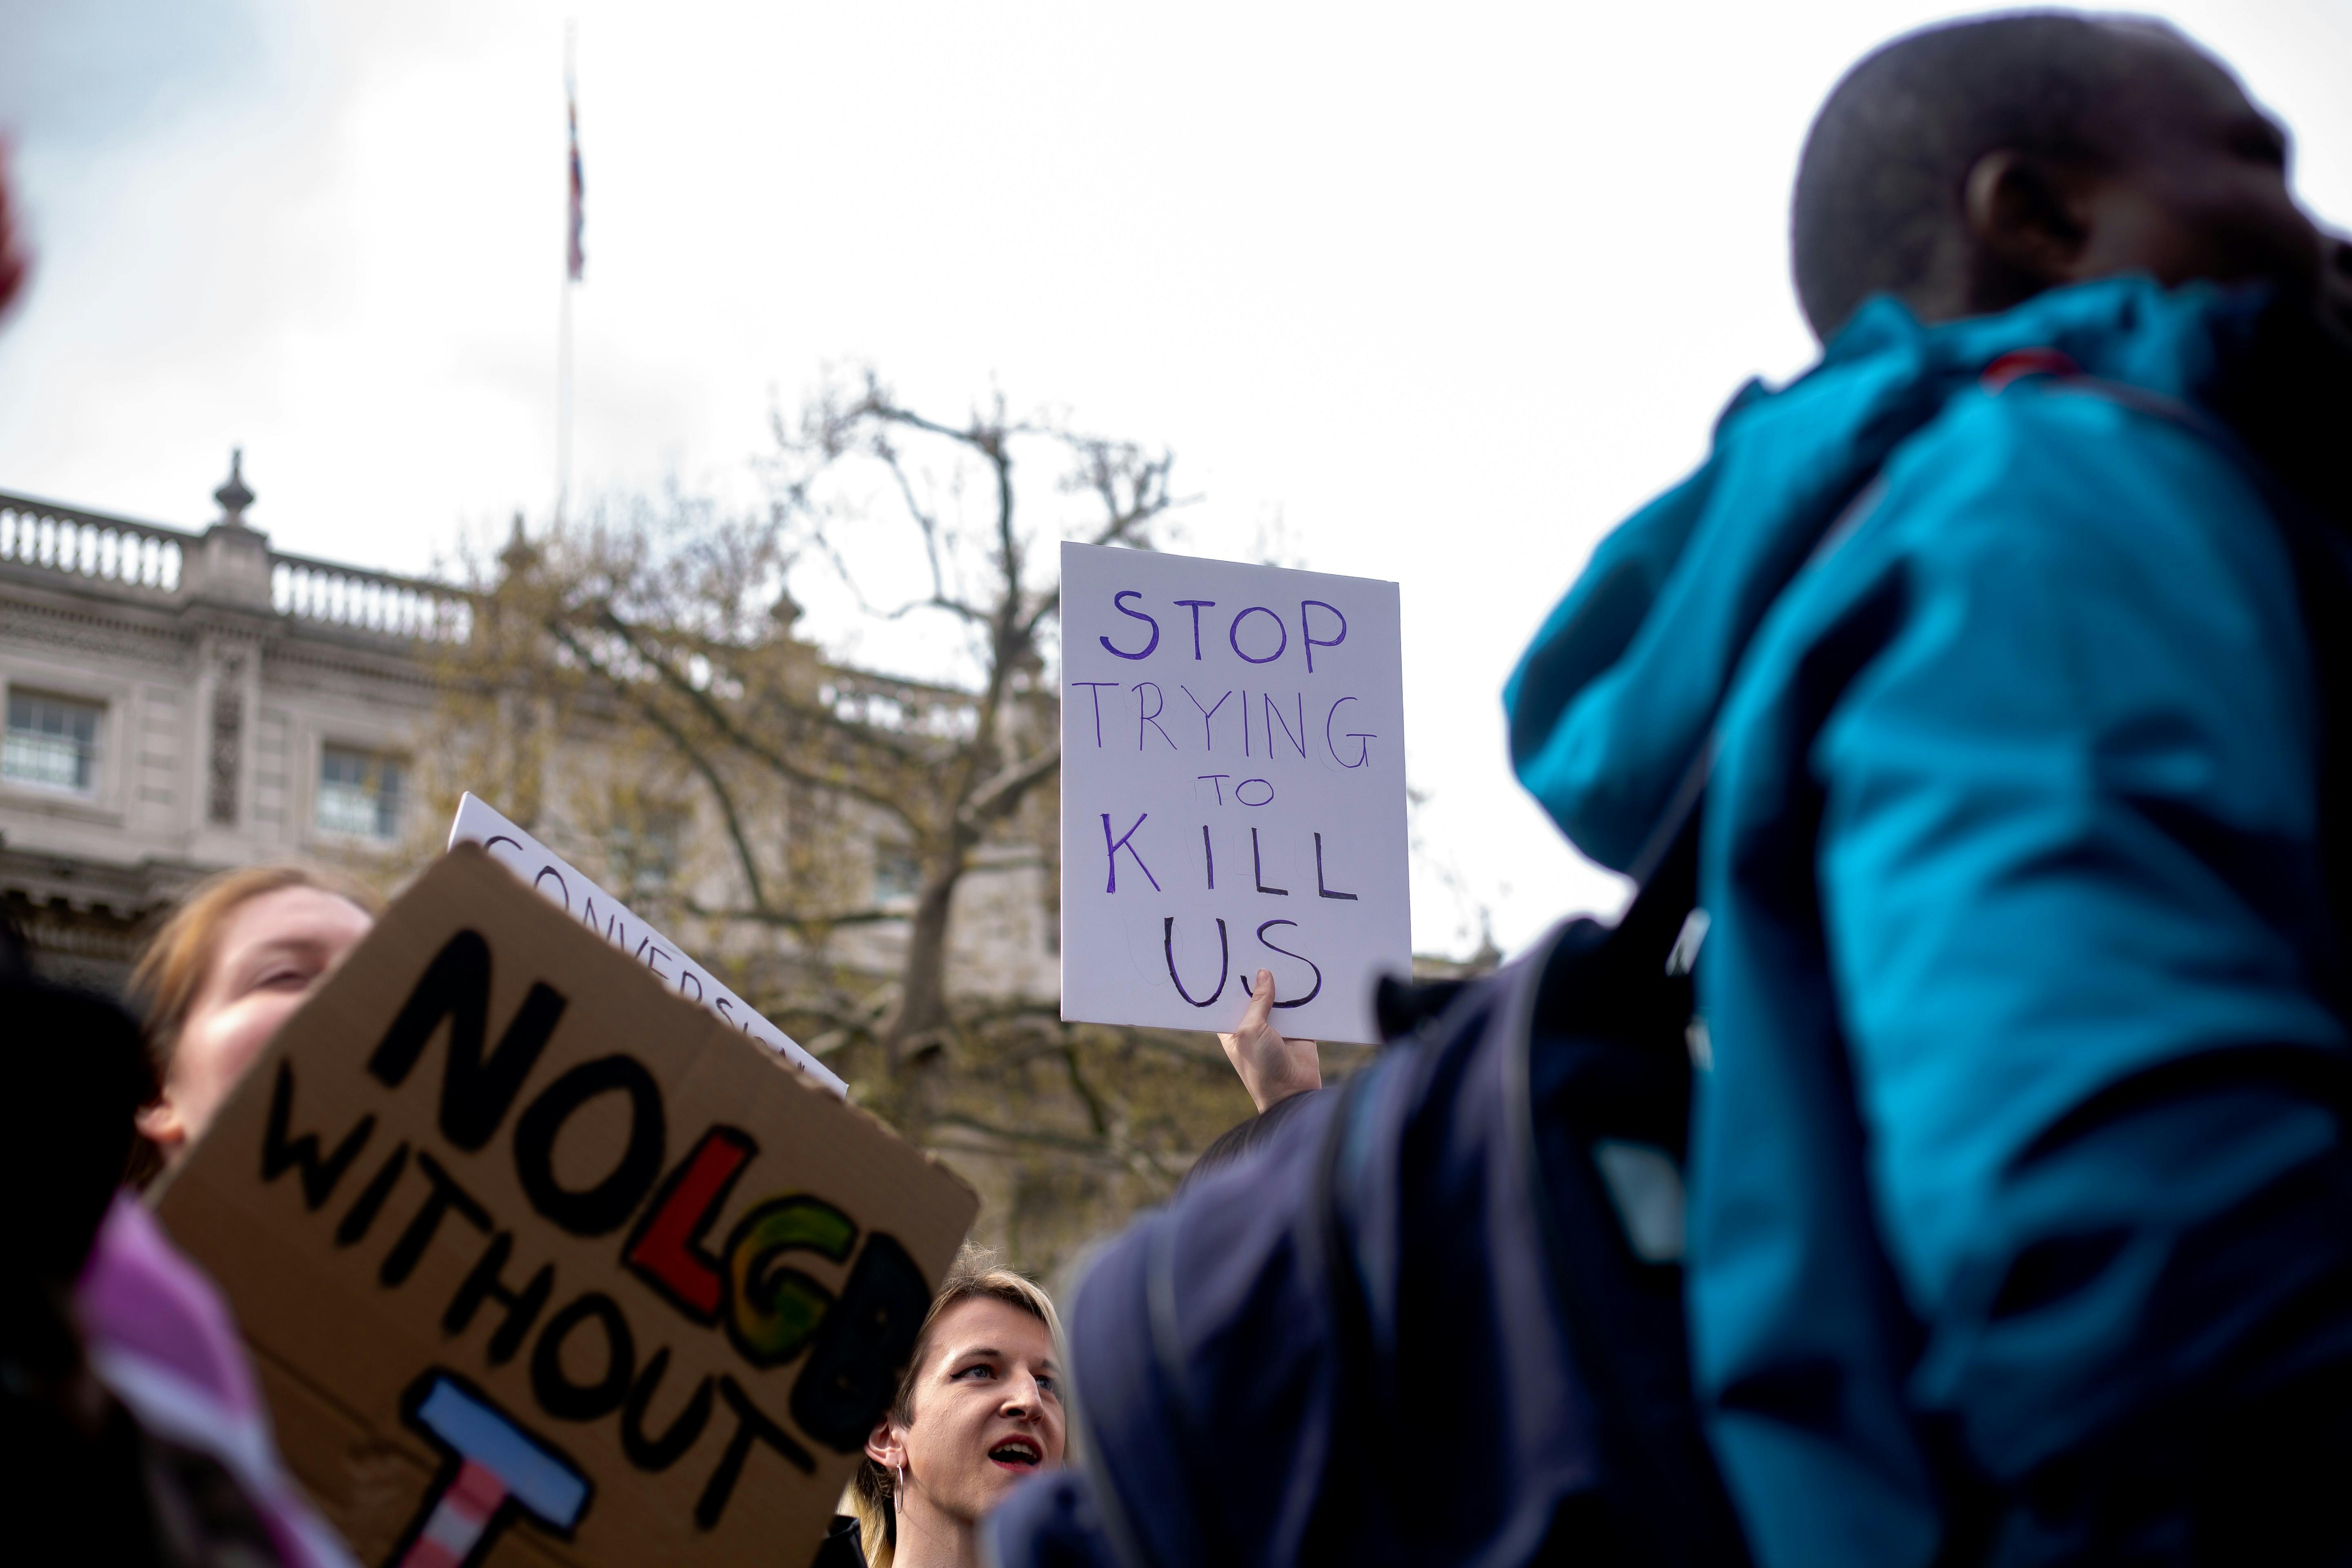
(181, 702)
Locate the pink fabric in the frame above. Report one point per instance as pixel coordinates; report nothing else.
(164, 1342)
(141, 1294)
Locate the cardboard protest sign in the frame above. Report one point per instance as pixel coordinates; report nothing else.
(558, 882)
(1233, 791)
(540, 1264)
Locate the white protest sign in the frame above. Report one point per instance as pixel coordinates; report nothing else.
(1232, 793)
(560, 883)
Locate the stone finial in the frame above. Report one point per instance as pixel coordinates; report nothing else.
(520, 554)
(234, 496)
(786, 612)
(230, 565)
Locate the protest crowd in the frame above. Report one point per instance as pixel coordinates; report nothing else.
(1941, 1161)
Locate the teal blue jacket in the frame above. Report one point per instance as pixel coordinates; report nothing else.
(2011, 824)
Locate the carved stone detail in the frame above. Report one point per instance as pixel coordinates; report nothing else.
(227, 738)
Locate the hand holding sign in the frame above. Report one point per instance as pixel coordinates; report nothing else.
(1272, 1066)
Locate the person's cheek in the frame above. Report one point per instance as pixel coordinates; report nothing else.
(268, 1015)
(211, 1061)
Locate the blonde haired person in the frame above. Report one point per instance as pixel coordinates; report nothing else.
(231, 964)
(979, 1410)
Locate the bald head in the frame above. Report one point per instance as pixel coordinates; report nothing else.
(1969, 166)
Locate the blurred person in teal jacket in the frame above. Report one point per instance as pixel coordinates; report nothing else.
(2020, 1219)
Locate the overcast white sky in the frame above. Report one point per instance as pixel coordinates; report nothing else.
(1448, 289)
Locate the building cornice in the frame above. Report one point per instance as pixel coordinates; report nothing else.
(82, 885)
(48, 619)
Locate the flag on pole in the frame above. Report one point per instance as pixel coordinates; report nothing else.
(575, 257)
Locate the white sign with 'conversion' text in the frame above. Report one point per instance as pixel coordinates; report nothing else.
(558, 882)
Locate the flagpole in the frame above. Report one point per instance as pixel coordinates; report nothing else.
(563, 407)
(571, 273)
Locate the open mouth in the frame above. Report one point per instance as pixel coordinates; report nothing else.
(1019, 1452)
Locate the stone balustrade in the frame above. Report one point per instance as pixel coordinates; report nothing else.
(116, 550)
(148, 559)
(327, 593)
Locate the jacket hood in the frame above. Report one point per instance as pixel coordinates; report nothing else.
(1612, 702)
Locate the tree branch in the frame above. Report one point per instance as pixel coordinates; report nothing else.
(796, 920)
(733, 732)
(929, 526)
(1000, 795)
(902, 750)
(1125, 515)
(1085, 1090)
(1062, 1140)
(976, 436)
(866, 606)
(839, 1027)
(695, 758)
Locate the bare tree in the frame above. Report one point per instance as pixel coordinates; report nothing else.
(951, 791)
(667, 625)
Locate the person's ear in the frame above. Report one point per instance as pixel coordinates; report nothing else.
(160, 1124)
(2028, 223)
(885, 1445)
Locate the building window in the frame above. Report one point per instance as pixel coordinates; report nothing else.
(643, 850)
(52, 743)
(359, 794)
(897, 874)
